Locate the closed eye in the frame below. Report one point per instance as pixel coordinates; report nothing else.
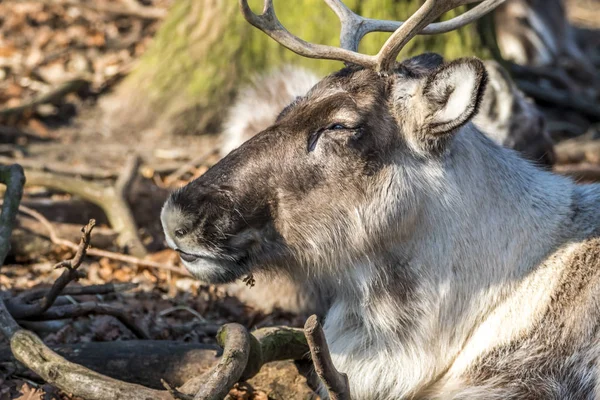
(315, 136)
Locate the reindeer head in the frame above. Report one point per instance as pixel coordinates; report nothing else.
(344, 170)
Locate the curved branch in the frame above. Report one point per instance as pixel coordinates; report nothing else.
(235, 340)
(336, 383)
(109, 198)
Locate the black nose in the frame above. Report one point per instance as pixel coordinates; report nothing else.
(187, 256)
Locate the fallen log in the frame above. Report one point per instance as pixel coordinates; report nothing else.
(144, 362)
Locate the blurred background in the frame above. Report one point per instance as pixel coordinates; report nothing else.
(111, 104)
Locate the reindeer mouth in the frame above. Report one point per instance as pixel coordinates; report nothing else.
(213, 269)
(187, 257)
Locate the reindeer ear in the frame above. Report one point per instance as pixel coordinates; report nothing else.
(452, 94)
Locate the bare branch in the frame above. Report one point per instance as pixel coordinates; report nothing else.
(131, 10)
(127, 175)
(336, 383)
(73, 378)
(577, 150)
(84, 243)
(266, 345)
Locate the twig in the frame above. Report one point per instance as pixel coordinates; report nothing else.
(176, 394)
(23, 310)
(13, 177)
(84, 243)
(97, 252)
(109, 198)
(335, 382)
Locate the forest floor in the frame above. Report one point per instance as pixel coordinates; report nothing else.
(76, 52)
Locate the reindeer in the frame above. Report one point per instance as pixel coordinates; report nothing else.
(506, 116)
(454, 268)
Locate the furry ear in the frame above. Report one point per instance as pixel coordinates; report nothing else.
(452, 94)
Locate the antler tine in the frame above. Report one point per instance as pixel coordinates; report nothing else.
(419, 23)
(269, 24)
(355, 27)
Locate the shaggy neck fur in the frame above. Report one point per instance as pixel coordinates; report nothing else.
(426, 305)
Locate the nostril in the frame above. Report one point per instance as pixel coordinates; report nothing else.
(181, 232)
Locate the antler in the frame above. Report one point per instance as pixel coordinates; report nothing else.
(355, 27)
